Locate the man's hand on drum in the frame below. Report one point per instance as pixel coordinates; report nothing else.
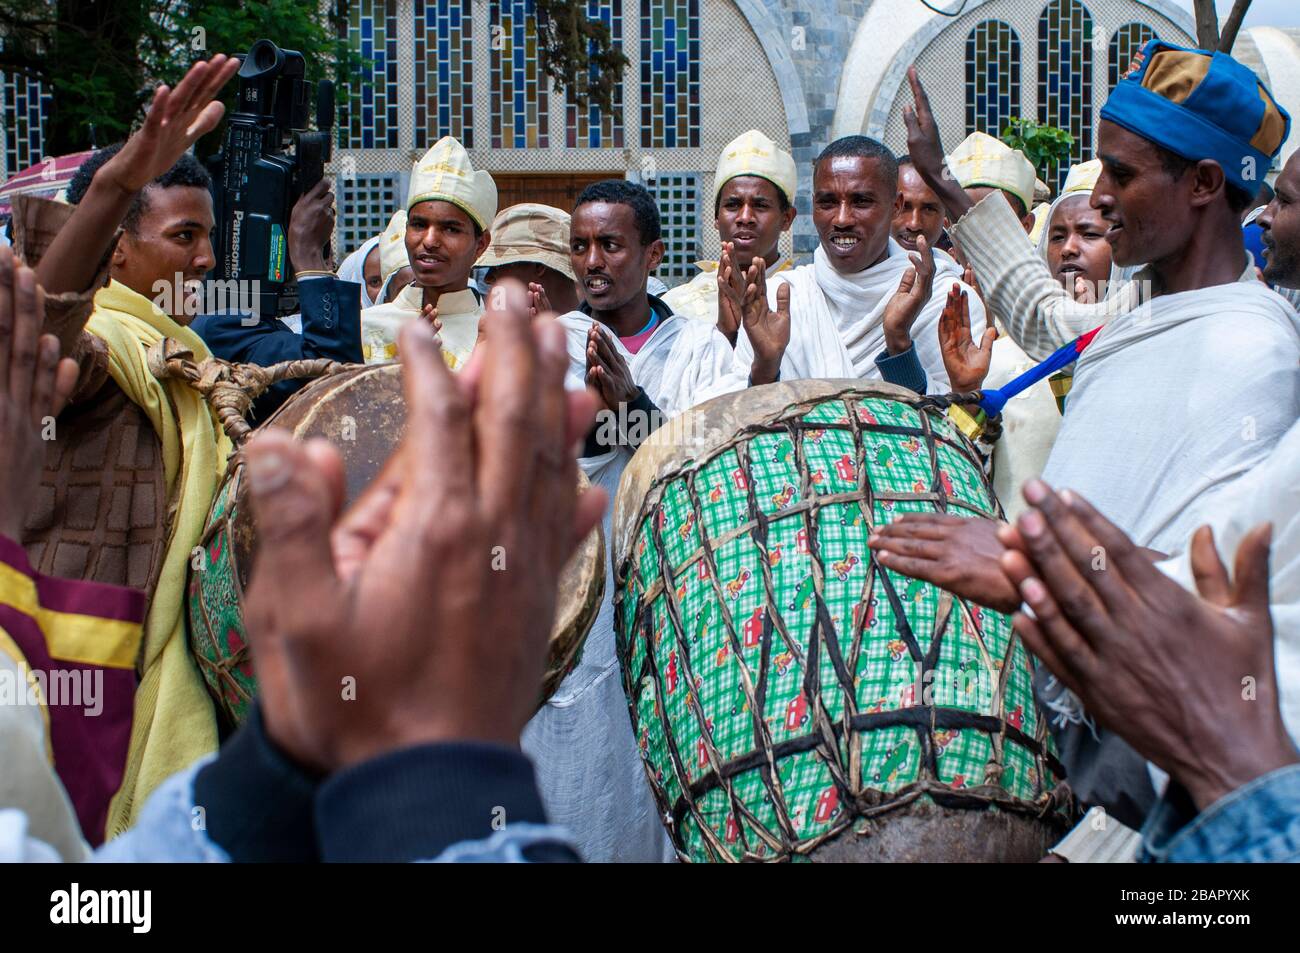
(607, 372)
(437, 593)
(958, 554)
(1160, 666)
(34, 385)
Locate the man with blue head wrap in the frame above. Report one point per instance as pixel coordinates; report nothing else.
(1195, 376)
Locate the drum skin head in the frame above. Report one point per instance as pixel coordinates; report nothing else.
(361, 412)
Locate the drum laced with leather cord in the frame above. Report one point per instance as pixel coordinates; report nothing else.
(361, 410)
(790, 696)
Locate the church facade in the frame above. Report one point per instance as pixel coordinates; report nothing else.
(701, 72)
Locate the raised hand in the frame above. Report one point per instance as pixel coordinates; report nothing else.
(956, 553)
(176, 119)
(607, 372)
(768, 331)
(966, 362)
(34, 384)
(443, 640)
(913, 294)
(1189, 682)
(731, 294)
(926, 150)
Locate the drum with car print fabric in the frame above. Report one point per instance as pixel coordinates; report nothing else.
(791, 698)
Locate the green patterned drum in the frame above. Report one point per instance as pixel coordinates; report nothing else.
(361, 411)
(792, 698)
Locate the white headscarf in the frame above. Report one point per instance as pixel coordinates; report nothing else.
(354, 269)
(1117, 275)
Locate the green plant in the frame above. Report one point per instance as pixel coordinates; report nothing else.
(578, 53)
(1045, 146)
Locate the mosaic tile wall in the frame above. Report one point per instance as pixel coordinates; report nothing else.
(1065, 55)
(1125, 43)
(444, 71)
(992, 77)
(367, 104)
(520, 90)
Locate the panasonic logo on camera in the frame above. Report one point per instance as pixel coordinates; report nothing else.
(234, 243)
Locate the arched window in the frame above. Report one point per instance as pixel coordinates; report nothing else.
(367, 104)
(444, 72)
(26, 107)
(670, 73)
(1065, 77)
(992, 77)
(1124, 45)
(520, 90)
(589, 128)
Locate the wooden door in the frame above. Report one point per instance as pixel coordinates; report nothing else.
(559, 190)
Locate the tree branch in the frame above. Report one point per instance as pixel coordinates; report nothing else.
(1207, 25)
(1232, 25)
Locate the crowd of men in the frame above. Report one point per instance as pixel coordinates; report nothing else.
(1173, 682)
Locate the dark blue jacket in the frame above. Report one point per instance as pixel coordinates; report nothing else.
(331, 328)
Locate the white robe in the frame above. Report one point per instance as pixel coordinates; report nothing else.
(698, 298)
(1174, 401)
(837, 321)
(459, 312)
(589, 770)
(1269, 493)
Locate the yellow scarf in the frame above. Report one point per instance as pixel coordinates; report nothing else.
(174, 720)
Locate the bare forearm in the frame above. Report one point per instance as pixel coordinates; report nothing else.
(73, 258)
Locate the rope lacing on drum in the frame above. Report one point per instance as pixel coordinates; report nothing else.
(230, 389)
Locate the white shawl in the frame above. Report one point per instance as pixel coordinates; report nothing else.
(1176, 400)
(837, 321)
(1269, 493)
(354, 269)
(589, 771)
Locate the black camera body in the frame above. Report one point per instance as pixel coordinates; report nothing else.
(268, 159)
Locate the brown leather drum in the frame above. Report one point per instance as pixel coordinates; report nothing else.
(362, 412)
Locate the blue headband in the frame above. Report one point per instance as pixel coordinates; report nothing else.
(1216, 121)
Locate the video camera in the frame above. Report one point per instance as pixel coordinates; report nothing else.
(268, 160)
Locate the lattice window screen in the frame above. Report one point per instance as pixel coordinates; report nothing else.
(589, 128)
(520, 90)
(675, 194)
(670, 73)
(366, 202)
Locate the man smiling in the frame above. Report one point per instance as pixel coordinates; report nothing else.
(855, 307)
(449, 207)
